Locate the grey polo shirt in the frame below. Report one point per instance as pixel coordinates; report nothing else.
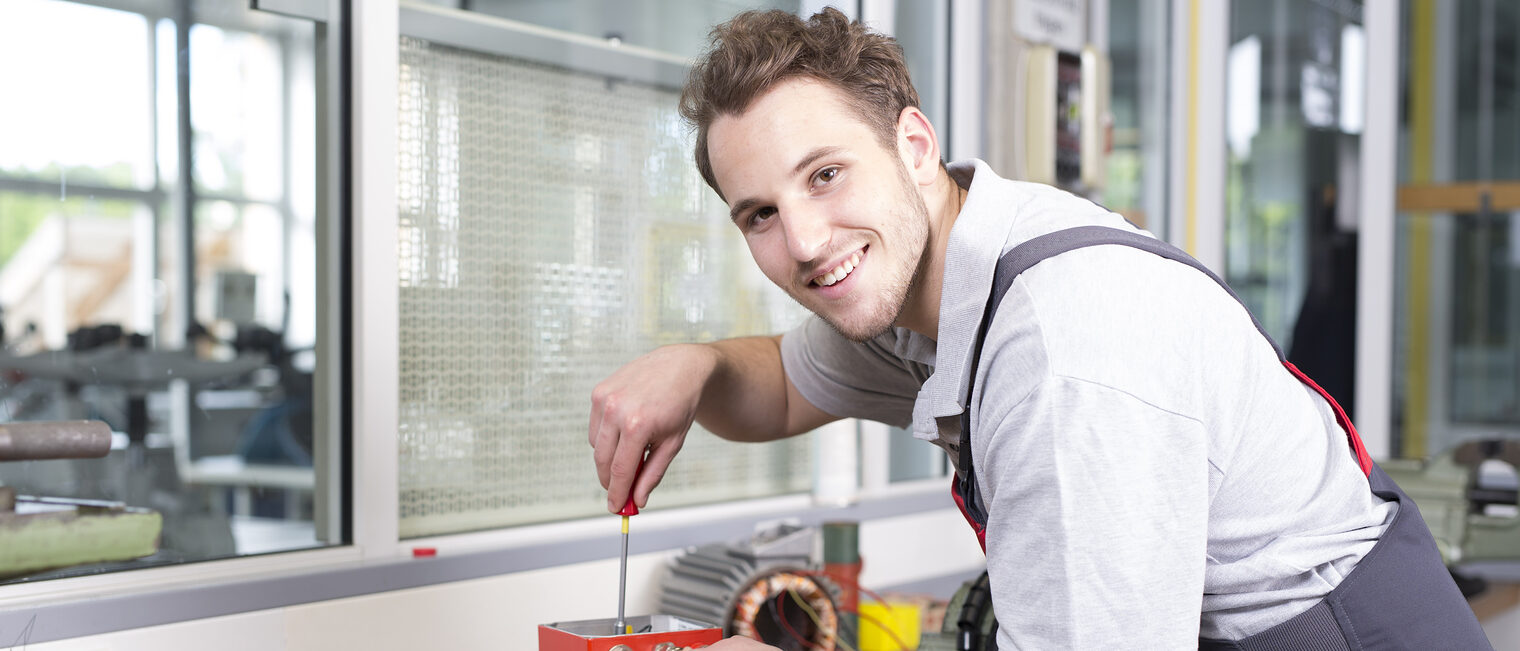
(1151, 471)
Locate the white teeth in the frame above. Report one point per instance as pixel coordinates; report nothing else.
(839, 272)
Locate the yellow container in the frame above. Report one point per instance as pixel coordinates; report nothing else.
(900, 617)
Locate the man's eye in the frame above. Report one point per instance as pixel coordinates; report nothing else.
(759, 216)
(825, 175)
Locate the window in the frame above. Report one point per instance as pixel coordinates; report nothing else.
(1457, 284)
(200, 299)
(1293, 124)
(1137, 166)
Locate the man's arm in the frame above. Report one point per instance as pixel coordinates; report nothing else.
(734, 387)
(741, 399)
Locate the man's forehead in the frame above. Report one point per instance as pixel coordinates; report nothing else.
(797, 92)
(787, 120)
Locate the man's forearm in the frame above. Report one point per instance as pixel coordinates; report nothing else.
(745, 399)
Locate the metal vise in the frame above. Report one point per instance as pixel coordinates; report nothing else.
(38, 533)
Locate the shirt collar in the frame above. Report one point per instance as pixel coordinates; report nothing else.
(988, 215)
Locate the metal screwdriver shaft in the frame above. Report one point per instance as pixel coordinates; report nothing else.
(623, 578)
(628, 509)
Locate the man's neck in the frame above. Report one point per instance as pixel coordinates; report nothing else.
(921, 310)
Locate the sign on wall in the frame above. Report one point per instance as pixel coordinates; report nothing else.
(1062, 24)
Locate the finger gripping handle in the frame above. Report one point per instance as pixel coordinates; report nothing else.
(630, 508)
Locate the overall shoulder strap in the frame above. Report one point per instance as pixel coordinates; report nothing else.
(1019, 259)
(1026, 255)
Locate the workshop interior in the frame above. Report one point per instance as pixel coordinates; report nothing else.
(302, 303)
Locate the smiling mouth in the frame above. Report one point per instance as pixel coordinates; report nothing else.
(839, 272)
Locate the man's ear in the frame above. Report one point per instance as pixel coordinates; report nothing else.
(918, 146)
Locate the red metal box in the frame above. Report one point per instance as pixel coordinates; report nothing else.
(650, 633)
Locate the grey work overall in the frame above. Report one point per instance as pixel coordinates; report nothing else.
(1400, 596)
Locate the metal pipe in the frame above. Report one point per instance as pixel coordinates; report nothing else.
(69, 439)
(185, 291)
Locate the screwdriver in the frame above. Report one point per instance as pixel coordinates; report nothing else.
(628, 509)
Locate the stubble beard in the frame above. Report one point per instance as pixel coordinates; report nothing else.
(910, 225)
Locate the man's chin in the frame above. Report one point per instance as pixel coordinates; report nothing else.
(854, 325)
(858, 331)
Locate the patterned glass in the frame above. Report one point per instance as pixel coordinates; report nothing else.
(552, 228)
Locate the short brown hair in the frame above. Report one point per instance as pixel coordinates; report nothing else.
(754, 51)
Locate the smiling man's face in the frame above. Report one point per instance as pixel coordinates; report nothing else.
(829, 214)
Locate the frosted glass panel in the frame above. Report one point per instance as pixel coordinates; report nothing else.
(552, 227)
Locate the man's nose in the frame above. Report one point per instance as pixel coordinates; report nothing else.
(807, 233)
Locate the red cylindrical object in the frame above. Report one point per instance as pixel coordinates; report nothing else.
(847, 577)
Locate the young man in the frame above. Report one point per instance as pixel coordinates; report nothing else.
(1147, 470)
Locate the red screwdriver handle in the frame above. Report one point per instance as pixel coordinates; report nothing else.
(630, 508)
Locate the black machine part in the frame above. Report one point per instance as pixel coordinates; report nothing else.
(1472, 454)
(970, 624)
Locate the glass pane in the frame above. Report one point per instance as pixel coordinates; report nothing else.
(910, 459)
(1293, 129)
(1485, 337)
(1137, 167)
(1457, 292)
(553, 227)
(67, 264)
(237, 84)
(923, 30)
(239, 240)
(207, 438)
(75, 116)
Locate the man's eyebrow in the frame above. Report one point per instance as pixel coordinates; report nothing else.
(739, 207)
(815, 155)
(745, 204)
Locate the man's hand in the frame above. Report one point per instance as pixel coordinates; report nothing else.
(649, 404)
(737, 643)
(736, 387)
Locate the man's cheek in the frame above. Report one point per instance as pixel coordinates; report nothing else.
(774, 267)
